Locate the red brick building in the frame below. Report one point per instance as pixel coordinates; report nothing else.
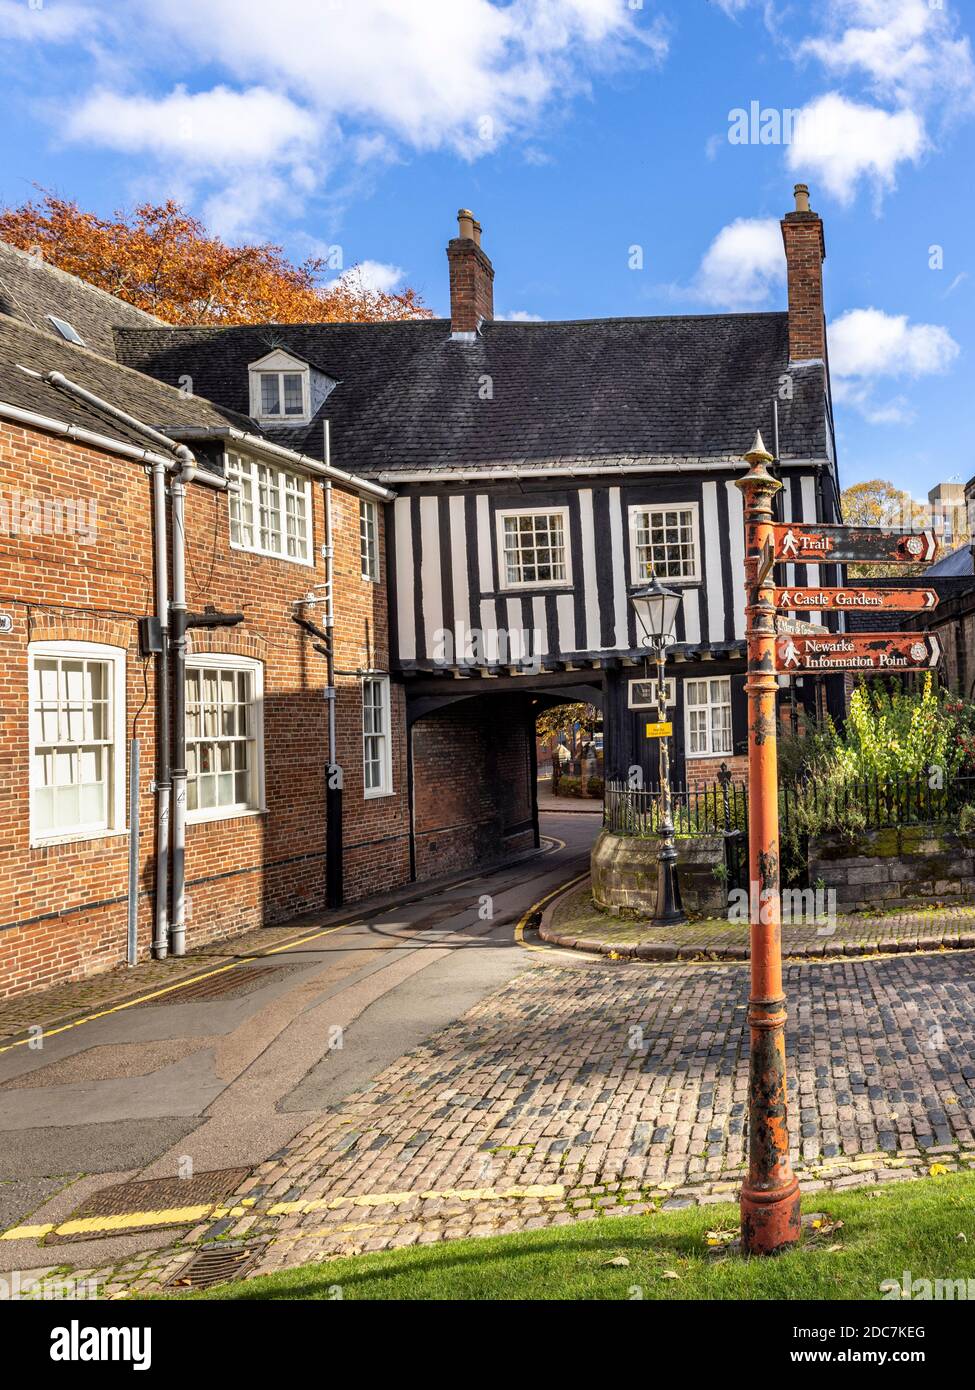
(84, 441)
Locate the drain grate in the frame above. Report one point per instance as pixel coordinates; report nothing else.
(155, 1196)
(216, 1264)
(227, 985)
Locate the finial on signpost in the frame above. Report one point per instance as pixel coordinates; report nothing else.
(758, 452)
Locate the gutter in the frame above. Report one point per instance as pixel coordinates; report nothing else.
(47, 424)
(584, 470)
(257, 444)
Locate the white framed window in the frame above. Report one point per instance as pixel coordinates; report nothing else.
(280, 389)
(643, 694)
(224, 736)
(77, 740)
(270, 510)
(377, 750)
(533, 548)
(707, 717)
(369, 538)
(665, 541)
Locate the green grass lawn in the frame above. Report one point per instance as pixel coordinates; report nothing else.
(911, 1226)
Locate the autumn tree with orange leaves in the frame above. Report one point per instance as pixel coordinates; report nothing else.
(163, 260)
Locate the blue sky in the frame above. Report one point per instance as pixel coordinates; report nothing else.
(577, 130)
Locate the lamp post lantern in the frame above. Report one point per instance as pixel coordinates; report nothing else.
(656, 611)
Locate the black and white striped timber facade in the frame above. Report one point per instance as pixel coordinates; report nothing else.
(456, 627)
(453, 612)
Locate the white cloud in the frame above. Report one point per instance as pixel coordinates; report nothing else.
(840, 142)
(212, 128)
(309, 93)
(458, 73)
(46, 23)
(742, 266)
(908, 50)
(868, 345)
(519, 316)
(373, 275)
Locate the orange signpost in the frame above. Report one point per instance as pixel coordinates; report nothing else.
(855, 600)
(782, 645)
(770, 1219)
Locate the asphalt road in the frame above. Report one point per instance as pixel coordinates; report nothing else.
(227, 1081)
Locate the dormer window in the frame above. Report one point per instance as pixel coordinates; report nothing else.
(280, 389)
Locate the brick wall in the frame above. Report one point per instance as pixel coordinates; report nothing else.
(703, 772)
(472, 789)
(62, 906)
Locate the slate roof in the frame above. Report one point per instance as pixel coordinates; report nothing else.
(617, 392)
(956, 563)
(161, 406)
(30, 289)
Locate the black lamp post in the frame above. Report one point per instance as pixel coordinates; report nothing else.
(656, 612)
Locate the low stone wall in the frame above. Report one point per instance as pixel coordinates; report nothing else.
(624, 873)
(898, 867)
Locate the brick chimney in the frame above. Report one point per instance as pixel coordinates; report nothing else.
(805, 251)
(471, 277)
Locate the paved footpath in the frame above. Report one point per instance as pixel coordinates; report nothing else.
(576, 922)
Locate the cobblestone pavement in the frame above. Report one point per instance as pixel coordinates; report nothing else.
(576, 922)
(584, 1091)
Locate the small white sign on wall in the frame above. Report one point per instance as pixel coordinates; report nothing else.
(643, 694)
(6, 622)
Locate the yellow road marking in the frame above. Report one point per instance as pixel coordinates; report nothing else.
(189, 1216)
(536, 907)
(179, 984)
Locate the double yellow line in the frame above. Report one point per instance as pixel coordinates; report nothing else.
(180, 984)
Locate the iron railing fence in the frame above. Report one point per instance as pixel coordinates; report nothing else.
(710, 809)
(876, 803)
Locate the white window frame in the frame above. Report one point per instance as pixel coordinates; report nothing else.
(670, 693)
(509, 585)
(386, 787)
(279, 364)
(369, 516)
(115, 657)
(230, 661)
(640, 509)
(239, 497)
(710, 751)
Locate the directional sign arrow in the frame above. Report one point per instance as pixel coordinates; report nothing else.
(865, 651)
(862, 544)
(872, 600)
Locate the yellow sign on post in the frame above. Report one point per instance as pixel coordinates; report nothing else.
(660, 730)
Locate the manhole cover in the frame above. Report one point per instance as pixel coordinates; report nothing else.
(226, 985)
(158, 1200)
(217, 1264)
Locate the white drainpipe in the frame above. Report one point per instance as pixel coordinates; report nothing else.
(184, 468)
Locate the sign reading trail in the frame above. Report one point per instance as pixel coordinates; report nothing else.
(848, 600)
(865, 651)
(864, 545)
